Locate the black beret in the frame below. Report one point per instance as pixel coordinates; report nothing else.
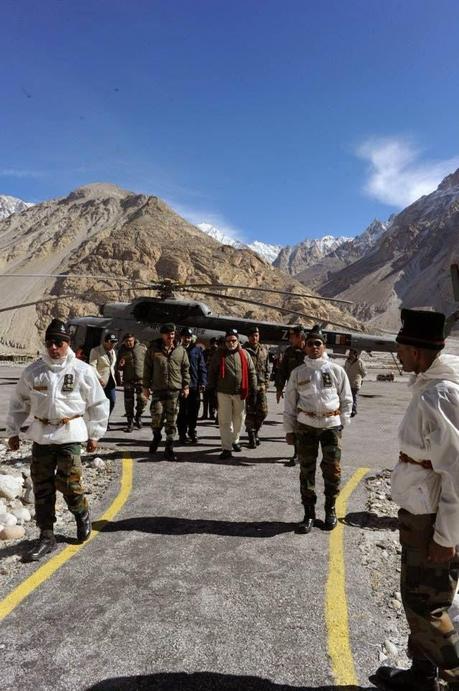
(422, 329)
(57, 329)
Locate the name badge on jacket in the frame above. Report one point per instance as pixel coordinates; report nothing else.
(327, 381)
(68, 382)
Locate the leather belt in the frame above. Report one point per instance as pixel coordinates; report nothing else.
(424, 464)
(58, 423)
(330, 413)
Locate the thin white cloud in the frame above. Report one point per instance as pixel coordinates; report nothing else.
(396, 175)
(212, 218)
(21, 173)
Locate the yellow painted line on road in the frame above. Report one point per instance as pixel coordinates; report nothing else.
(52, 565)
(336, 614)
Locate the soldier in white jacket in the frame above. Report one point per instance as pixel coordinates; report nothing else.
(103, 359)
(425, 485)
(56, 391)
(318, 403)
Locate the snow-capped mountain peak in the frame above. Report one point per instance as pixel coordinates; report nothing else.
(265, 250)
(11, 205)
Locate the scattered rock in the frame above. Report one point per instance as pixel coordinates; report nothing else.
(10, 486)
(98, 463)
(12, 532)
(7, 519)
(22, 515)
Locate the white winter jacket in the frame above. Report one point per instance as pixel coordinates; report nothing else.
(317, 386)
(430, 431)
(55, 389)
(104, 363)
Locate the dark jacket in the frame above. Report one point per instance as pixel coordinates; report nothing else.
(166, 371)
(130, 362)
(260, 357)
(198, 369)
(231, 382)
(292, 358)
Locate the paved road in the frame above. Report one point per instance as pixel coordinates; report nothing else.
(200, 581)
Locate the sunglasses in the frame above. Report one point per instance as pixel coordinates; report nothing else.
(314, 344)
(54, 342)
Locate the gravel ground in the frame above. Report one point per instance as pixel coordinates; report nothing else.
(380, 550)
(97, 476)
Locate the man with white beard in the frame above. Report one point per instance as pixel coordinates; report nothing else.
(232, 376)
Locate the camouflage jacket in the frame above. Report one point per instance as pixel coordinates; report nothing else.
(260, 358)
(292, 358)
(166, 371)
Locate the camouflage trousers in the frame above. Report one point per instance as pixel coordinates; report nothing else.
(428, 591)
(255, 414)
(133, 392)
(164, 410)
(307, 448)
(56, 467)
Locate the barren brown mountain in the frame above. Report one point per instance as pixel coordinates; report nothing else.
(409, 266)
(103, 230)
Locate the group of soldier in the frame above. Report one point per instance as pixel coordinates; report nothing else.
(69, 402)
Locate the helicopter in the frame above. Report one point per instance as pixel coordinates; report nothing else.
(143, 316)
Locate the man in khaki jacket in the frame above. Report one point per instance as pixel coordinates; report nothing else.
(103, 359)
(166, 376)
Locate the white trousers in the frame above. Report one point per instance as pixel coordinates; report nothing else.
(231, 416)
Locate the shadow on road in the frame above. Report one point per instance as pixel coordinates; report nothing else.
(206, 681)
(169, 525)
(370, 521)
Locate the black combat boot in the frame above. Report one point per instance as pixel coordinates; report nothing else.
(308, 521)
(83, 522)
(252, 439)
(193, 437)
(130, 425)
(330, 514)
(46, 543)
(237, 447)
(225, 455)
(257, 438)
(422, 676)
(138, 422)
(169, 454)
(155, 441)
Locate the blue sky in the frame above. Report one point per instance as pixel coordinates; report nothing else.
(275, 120)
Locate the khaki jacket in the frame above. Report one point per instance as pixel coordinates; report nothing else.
(166, 371)
(130, 362)
(356, 372)
(104, 363)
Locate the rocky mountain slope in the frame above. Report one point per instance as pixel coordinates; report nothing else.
(409, 265)
(11, 205)
(106, 231)
(297, 258)
(342, 255)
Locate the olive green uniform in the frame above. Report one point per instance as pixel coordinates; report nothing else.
(132, 372)
(165, 373)
(257, 411)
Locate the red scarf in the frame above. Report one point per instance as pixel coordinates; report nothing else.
(244, 370)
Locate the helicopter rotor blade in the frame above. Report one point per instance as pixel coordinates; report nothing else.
(274, 307)
(53, 298)
(102, 277)
(214, 286)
